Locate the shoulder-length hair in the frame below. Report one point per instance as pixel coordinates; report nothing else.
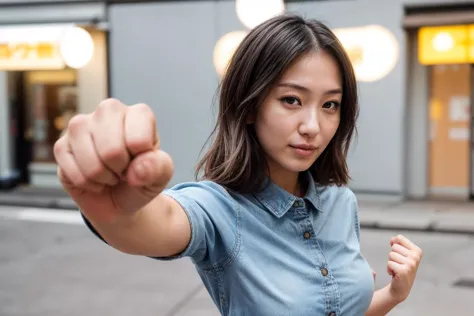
(235, 158)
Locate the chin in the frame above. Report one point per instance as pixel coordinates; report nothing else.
(298, 166)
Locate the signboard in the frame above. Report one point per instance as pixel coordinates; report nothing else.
(31, 47)
(25, 56)
(446, 44)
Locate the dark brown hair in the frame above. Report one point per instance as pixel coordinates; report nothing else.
(235, 158)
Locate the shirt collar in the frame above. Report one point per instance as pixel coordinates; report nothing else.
(278, 201)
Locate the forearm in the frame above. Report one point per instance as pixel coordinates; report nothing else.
(382, 303)
(158, 229)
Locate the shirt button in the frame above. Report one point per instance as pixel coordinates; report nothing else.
(324, 272)
(298, 203)
(307, 235)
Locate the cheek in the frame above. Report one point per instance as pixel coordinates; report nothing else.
(271, 126)
(330, 127)
(267, 133)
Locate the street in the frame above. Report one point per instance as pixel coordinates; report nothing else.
(53, 266)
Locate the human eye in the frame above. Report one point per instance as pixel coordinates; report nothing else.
(291, 100)
(332, 105)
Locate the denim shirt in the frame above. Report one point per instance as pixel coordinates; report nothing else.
(272, 253)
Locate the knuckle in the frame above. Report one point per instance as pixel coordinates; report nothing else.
(420, 253)
(139, 143)
(112, 153)
(93, 172)
(79, 181)
(107, 105)
(59, 147)
(110, 103)
(143, 108)
(77, 123)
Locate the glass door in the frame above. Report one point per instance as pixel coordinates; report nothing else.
(450, 131)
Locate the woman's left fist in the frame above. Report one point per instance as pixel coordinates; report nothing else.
(403, 262)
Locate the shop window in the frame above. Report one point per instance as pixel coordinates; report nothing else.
(52, 102)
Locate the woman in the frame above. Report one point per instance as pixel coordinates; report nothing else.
(271, 228)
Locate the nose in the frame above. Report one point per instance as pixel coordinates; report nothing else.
(310, 123)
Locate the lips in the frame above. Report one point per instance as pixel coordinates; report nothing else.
(304, 150)
(304, 147)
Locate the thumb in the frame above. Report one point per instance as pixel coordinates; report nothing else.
(147, 175)
(152, 169)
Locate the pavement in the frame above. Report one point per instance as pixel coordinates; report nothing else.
(425, 216)
(52, 265)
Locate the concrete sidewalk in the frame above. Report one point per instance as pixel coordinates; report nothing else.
(430, 216)
(37, 197)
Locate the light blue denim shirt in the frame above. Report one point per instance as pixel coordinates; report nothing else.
(272, 254)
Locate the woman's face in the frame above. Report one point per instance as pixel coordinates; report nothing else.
(301, 114)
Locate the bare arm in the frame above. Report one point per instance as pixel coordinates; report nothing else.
(159, 229)
(110, 163)
(382, 303)
(403, 263)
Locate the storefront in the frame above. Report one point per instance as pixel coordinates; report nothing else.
(53, 64)
(441, 135)
(415, 89)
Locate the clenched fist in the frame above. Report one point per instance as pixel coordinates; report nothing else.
(403, 263)
(110, 162)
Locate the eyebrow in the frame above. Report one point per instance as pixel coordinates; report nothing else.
(304, 89)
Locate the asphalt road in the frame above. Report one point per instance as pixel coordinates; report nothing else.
(53, 266)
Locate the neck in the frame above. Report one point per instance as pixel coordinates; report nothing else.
(288, 181)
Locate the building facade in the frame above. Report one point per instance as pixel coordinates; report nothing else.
(415, 127)
(53, 64)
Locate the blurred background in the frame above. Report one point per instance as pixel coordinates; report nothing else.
(412, 164)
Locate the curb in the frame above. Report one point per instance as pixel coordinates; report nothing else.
(432, 228)
(37, 203)
(419, 224)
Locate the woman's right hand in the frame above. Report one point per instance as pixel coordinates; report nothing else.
(110, 161)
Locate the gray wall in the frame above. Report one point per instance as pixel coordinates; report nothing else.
(418, 123)
(52, 13)
(161, 54)
(156, 60)
(376, 157)
(5, 139)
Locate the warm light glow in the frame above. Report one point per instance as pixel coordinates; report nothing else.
(225, 48)
(443, 42)
(76, 47)
(253, 12)
(373, 50)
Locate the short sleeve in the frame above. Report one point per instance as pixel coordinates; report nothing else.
(212, 214)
